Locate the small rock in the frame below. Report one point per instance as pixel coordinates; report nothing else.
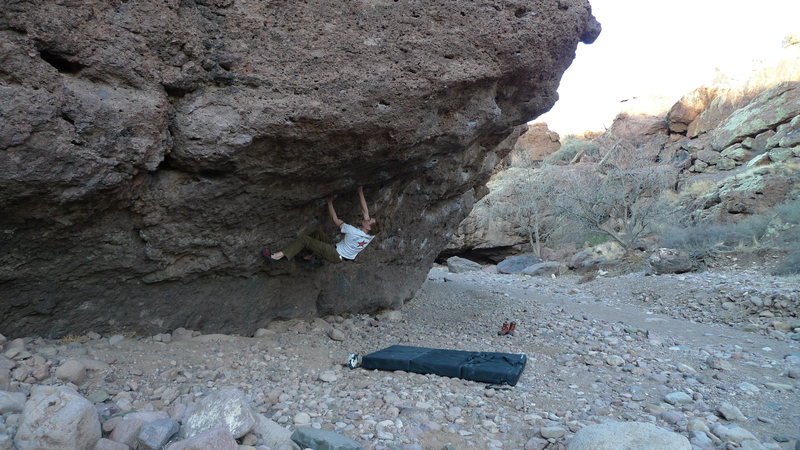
(218, 439)
(127, 430)
(302, 418)
(116, 339)
(731, 412)
(328, 376)
(536, 443)
(307, 437)
(732, 433)
(779, 386)
(263, 332)
(614, 360)
(672, 417)
(678, 398)
(718, 363)
(98, 396)
(12, 402)
(748, 388)
(336, 334)
(552, 432)
(154, 435)
(72, 371)
(108, 444)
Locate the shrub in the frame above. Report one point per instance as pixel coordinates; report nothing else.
(789, 211)
(790, 265)
(748, 230)
(570, 147)
(698, 241)
(593, 239)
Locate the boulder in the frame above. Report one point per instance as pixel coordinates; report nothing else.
(218, 439)
(272, 434)
(627, 435)
(12, 402)
(226, 408)
(151, 152)
(126, 431)
(516, 264)
(307, 437)
(57, 417)
(108, 444)
(602, 254)
(72, 371)
(154, 435)
(460, 265)
(686, 110)
(545, 269)
(667, 260)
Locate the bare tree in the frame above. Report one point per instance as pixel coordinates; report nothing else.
(523, 199)
(620, 198)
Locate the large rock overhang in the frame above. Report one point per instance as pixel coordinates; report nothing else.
(150, 149)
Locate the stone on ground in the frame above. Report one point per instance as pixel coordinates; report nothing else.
(156, 434)
(731, 412)
(57, 417)
(516, 264)
(108, 444)
(227, 408)
(627, 435)
(460, 265)
(72, 371)
(12, 402)
(667, 260)
(218, 439)
(272, 434)
(544, 269)
(307, 437)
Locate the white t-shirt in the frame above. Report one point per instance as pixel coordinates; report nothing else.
(354, 241)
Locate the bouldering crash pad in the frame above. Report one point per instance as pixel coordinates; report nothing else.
(486, 367)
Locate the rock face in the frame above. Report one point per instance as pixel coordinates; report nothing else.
(537, 143)
(149, 150)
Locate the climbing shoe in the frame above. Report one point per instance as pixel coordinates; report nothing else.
(268, 256)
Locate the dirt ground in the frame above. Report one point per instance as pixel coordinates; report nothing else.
(611, 348)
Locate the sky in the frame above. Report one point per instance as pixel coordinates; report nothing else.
(664, 48)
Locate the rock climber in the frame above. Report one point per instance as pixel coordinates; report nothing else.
(353, 242)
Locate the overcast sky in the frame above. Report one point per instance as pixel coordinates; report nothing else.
(664, 48)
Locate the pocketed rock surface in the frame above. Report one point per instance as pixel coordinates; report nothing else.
(601, 351)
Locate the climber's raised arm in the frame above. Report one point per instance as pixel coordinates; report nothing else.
(332, 213)
(363, 202)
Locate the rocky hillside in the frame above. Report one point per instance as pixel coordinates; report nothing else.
(735, 146)
(150, 149)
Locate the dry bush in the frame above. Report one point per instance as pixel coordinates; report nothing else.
(700, 242)
(523, 198)
(570, 147)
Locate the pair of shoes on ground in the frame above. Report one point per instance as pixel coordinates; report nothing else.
(508, 328)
